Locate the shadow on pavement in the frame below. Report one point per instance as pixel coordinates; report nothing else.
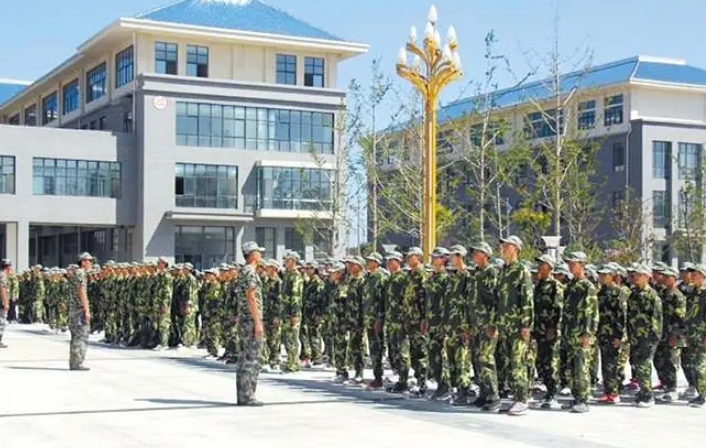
(187, 404)
(50, 369)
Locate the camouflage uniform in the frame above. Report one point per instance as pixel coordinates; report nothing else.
(666, 358)
(644, 332)
(212, 316)
(162, 306)
(549, 314)
(328, 318)
(374, 305)
(349, 335)
(312, 312)
(3, 312)
(398, 344)
(248, 367)
(230, 319)
(515, 310)
(415, 313)
(483, 319)
(436, 298)
(580, 320)
(292, 291)
(272, 318)
(695, 324)
(77, 325)
(188, 310)
(612, 310)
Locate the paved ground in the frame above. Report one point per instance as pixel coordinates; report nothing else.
(136, 398)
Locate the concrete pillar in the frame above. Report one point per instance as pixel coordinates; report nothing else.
(17, 244)
(280, 243)
(239, 231)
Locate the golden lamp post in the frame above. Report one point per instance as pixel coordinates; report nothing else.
(433, 67)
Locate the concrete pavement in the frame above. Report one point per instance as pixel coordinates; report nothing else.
(175, 398)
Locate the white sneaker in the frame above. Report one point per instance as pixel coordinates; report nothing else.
(690, 393)
(646, 404)
(669, 396)
(565, 392)
(519, 408)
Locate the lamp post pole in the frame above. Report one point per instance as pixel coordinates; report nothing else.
(433, 67)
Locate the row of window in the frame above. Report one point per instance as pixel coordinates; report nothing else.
(62, 177)
(254, 128)
(206, 186)
(688, 160)
(293, 241)
(294, 188)
(547, 124)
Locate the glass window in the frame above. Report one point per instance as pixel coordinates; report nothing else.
(314, 72)
(95, 83)
(661, 213)
(293, 241)
(286, 69)
(64, 177)
(206, 186)
(166, 58)
(221, 126)
(613, 110)
(197, 61)
(50, 108)
(204, 247)
(587, 115)
(294, 188)
(31, 115)
(267, 237)
(124, 67)
(689, 156)
(7, 175)
(543, 124)
(661, 159)
(618, 156)
(71, 97)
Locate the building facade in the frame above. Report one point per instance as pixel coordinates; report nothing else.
(180, 132)
(648, 116)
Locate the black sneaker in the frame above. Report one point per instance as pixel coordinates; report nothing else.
(697, 402)
(80, 368)
(505, 394)
(480, 402)
(492, 406)
(441, 394)
(398, 388)
(461, 397)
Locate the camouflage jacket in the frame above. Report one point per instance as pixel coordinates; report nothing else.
(394, 305)
(548, 307)
(612, 309)
(79, 281)
(673, 314)
(163, 290)
(644, 316)
(247, 279)
(436, 298)
(212, 299)
(374, 297)
(515, 298)
(695, 321)
(292, 293)
(272, 299)
(13, 287)
(312, 300)
(353, 290)
(414, 298)
(483, 298)
(580, 310)
(458, 312)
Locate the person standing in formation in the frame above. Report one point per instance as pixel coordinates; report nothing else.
(5, 297)
(80, 314)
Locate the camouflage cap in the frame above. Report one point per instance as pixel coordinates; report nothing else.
(670, 272)
(81, 257)
(376, 257)
(272, 263)
(224, 267)
(6, 262)
(440, 252)
(189, 266)
(250, 247)
(607, 269)
(394, 255)
(211, 271)
(659, 266)
(577, 256)
(700, 268)
(484, 248)
(338, 267)
(458, 249)
(512, 239)
(313, 264)
(546, 259)
(109, 263)
(415, 251)
(686, 266)
(642, 269)
(356, 260)
(292, 255)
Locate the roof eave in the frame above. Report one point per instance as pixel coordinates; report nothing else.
(100, 35)
(666, 85)
(346, 49)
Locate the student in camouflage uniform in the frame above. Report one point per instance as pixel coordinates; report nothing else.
(5, 267)
(272, 317)
(79, 314)
(549, 314)
(612, 310)
(374, 306)
(668, 353)
(162, 303)
(515, 316)
(414, 316)
(188, 310)
(292, 292)
(212, 312)
(581, 320)
(398, 344)
(457, 324)
(644, 325)
(436, 304)
(229, 282)
(695, 324)
(349, 336)
(312, 311)
(331, 290)
(250, 328)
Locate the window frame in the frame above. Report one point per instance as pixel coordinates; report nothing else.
(71, 95)
(619, 161)
(689, 152)
(286, 69)
(50, 112)
(96, 82)
(613, 110)
(124, 67)
(586, 119)
(312, 64)
(31, 112)
(661, 213)
(73, 177)
(197, 178)
(195, 57)
(8, 174)
(665, 148)
(166, 50)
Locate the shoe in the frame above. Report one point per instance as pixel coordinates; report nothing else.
(633, 385)
(398, 388)
(565, 392)
(461, 397)
(318, 364)
(505, 394)
(518, 408)
(669, 396)
(3, 345)
(441, 394)
(658, 387)
(697, 402)
(480, 402)
(291, 369)
(375, 385)
(80, 368)
(306, 364)
(690, 393)
(579, 407)
(251, 403)
(340, 378)
(358, 378)
(646, 403)
(231, 361)
(275, 368)
(550, 403)
(492, 406)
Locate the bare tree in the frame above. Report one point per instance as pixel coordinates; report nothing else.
(632, 222)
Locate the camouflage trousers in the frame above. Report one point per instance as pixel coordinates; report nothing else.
(593, 370)
(162, 327)
(212, 335)
(248, 367)
(689, 362)
(3, 324)
(487, 375)
(38, 312)
(641, 356)
(697, 362)
(518, 355)
(310, 338)
(438, 357)
(502, 362)
(457, 359)
(578, 375)
(418, 353)
(111, 327)
(376, 346)
(290, 335)
(610, 367)
(188, 329)
(328, 334)
(273, 344)
(474, 354)
(79, 339)
(231, 337)
(666, 361)
(348, 343)
(563, 366)
(623, 358)
(547, 363)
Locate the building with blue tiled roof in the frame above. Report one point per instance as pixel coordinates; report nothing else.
(648, 115)
(181, 132)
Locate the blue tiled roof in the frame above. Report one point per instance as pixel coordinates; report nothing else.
(8, 89)
(638, 69)
(243, 15)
